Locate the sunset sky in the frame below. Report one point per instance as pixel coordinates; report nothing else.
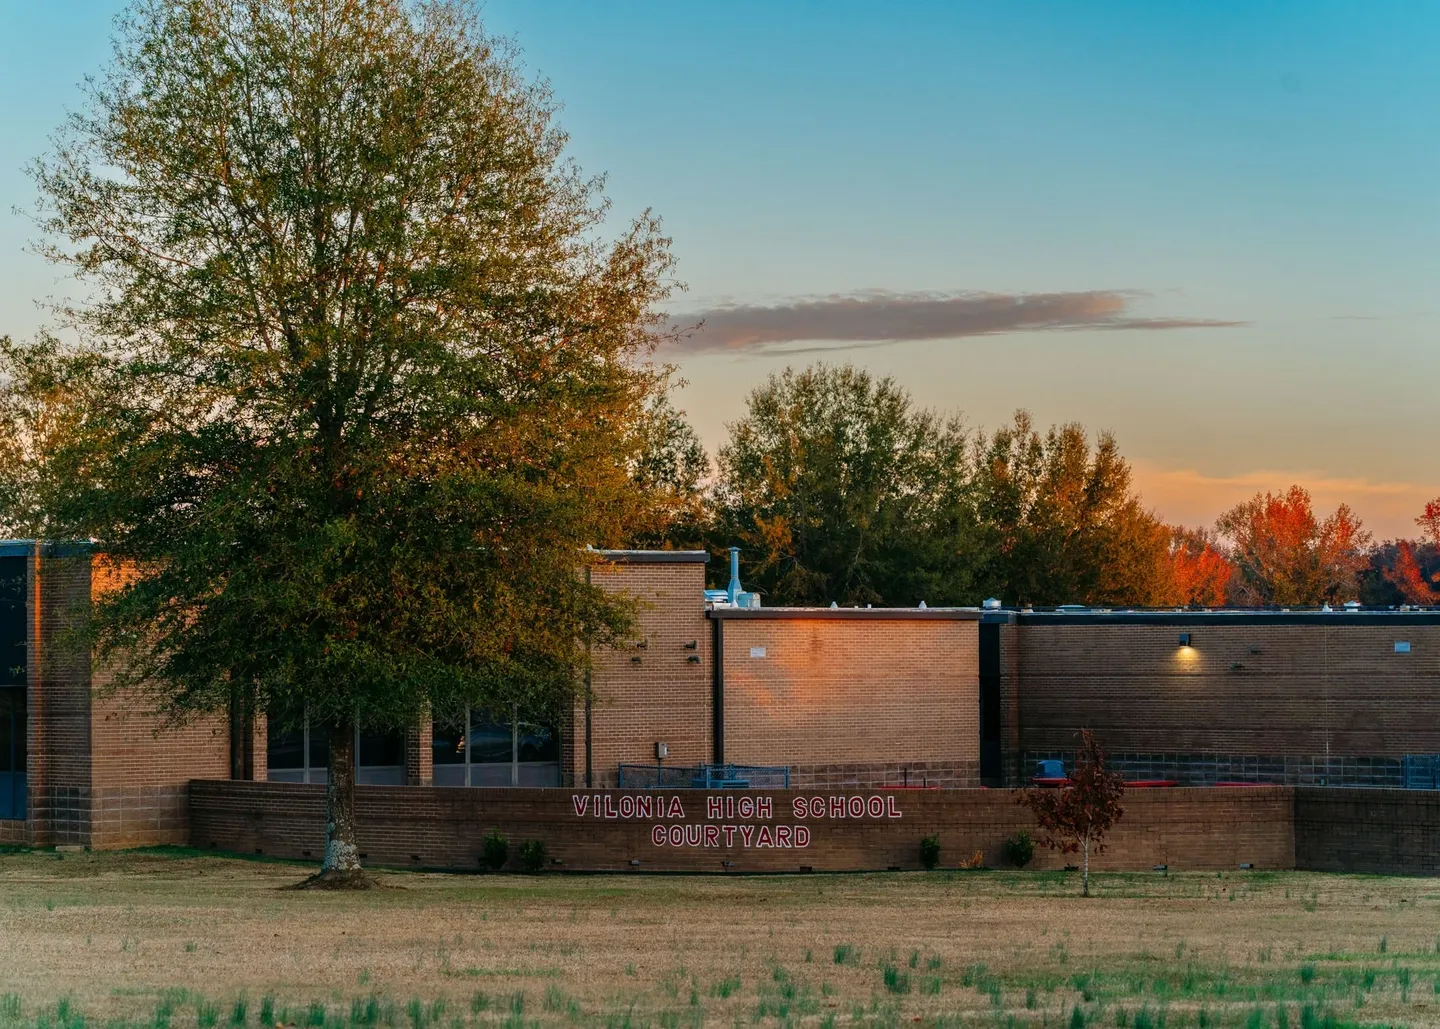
(1213, 228)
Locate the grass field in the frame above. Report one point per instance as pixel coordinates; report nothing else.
(173, 940)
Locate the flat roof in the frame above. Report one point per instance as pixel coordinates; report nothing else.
(848, 614)
(46, 548)
(1221, 616)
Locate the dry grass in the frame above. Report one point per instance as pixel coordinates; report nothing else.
(175, 939)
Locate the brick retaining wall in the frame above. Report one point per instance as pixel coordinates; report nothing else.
(1388, 832)
(434, 827)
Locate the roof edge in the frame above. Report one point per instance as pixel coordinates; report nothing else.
(655, 557)
(846, 614)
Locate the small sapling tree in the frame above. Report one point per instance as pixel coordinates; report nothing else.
(1076, 817)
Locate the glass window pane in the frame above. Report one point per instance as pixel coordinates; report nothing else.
(285, 747)
(9, 724)
(22, 728)
(447, 744)
(382, 749)
(490, 741)
(319, 745)
(13, 624)
(539, 742)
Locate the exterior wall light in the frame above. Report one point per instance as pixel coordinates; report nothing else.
(1184, 639)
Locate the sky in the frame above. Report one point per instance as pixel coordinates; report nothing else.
(1211, 228)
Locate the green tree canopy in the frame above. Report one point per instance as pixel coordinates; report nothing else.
(839, 489)
(673, 468)
(355, 378)
(1061, 521)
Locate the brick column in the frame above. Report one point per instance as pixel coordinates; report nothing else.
(260, 764)
(419, 757)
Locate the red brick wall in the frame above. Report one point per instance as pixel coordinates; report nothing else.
(1311, 696)
(1385, 832)
(58, 691)
(141, 760)
(444, 828)
(104, 769)
(655, 693)
(854, 699)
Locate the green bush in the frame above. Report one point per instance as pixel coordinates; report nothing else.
(532, 855)
(497, 850)
(1020, 849)
(930, 851)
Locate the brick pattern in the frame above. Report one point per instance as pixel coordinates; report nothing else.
(854, 702)
(58, 698)
(419, 754)
(905, 774)
(105, 770)
(1308, 703)
(655, 693)
(140, 758)
(1383, 832)
(444, 828)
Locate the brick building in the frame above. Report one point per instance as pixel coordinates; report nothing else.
(841, 698)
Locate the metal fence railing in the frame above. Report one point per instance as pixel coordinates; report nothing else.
(1421, 771)
(703, 777)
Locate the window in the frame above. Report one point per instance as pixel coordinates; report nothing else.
(12, 752)
(13, 722)
(495, 752)
(302, 754)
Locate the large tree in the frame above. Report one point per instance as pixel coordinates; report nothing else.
(355, 377)
(1062, 522)
(840, 490)
(1406, 571)
(1284, 555)
(674, 469)
(1200, 570)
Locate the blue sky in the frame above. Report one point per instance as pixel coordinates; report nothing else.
(1272, 164)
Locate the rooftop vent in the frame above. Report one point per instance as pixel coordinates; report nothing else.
(990, 604)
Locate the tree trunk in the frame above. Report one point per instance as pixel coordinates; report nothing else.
(342, 846)
(341, 869)
(1085, 874)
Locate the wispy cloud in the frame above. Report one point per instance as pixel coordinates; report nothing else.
(880, 318)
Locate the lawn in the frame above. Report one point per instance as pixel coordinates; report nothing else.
(173, 940)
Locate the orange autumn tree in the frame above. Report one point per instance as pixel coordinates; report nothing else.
(1406, 574)
(1285, 556)
(1200, 571)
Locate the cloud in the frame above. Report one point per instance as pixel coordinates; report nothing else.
(880, 318)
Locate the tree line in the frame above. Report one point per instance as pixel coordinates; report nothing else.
(840, 489)
(361, 368)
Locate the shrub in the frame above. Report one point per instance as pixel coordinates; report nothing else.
(532, 855)
(930, 851)
(497, 850)
(1020, 849)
